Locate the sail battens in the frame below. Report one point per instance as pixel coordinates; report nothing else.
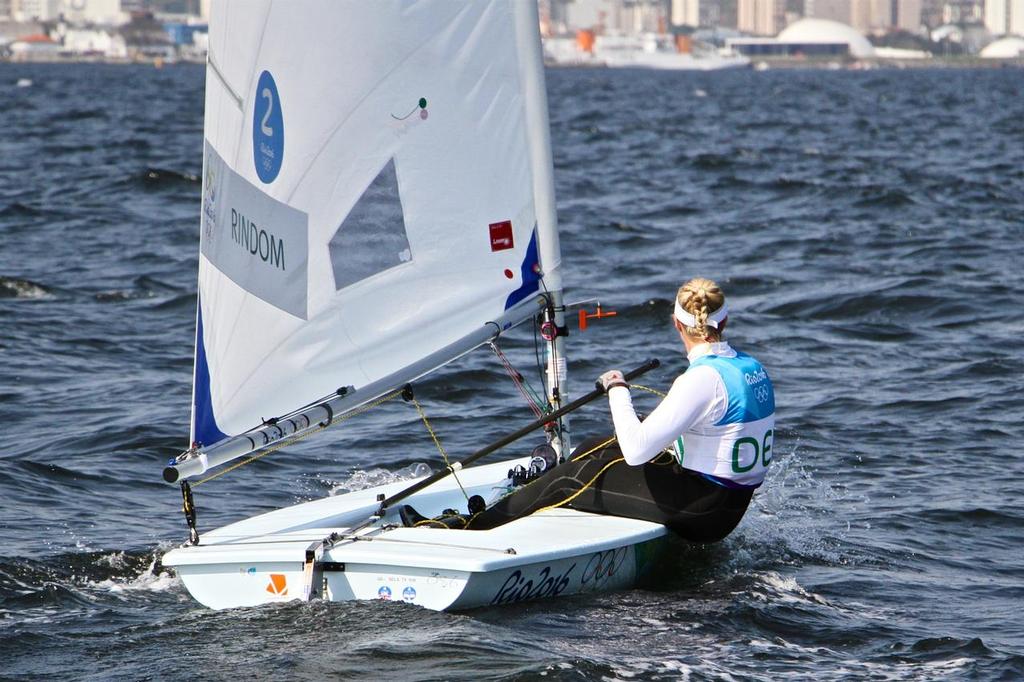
(377, 195)
(215, 70)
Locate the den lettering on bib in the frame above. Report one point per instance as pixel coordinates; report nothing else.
(738, 447)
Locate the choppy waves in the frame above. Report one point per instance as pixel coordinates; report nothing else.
(11, 287)
(866, 229)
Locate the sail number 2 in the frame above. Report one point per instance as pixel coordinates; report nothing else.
(267, 129)
(264, 128)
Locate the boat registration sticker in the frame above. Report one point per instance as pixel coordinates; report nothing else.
(501, 236)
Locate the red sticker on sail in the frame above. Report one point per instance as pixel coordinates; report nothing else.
(501, 235)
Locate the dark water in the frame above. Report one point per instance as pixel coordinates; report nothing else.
(867, 228)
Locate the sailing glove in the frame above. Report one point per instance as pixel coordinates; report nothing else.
(611, 379)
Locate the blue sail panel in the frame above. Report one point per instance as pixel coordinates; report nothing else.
(528, 271)
(204, 424)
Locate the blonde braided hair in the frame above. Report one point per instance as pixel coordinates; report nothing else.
(700, 297)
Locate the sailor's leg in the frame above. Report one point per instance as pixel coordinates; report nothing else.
(663, 492)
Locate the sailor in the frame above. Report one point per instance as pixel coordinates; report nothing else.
(693, 464)
(718, 419)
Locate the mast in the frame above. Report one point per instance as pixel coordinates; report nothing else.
(531, 60)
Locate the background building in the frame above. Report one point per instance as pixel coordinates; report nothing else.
(104, 12)
(35, 10)
(808, 38)
(869, 16)
(1004, 17)
(701, 13)
(107, 12)
(906, 15)
(760, 17)
(832, 10)
(685, 13)
(962, 12)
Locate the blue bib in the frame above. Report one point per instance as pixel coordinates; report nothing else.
(750, 391)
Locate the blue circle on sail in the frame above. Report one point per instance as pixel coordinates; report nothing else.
(267, 129)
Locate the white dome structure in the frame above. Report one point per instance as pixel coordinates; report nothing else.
(818, 31)
(1010, 47)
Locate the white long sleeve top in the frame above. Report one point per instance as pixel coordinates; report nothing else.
(696, 398)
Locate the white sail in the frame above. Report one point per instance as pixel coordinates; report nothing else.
(376, 190)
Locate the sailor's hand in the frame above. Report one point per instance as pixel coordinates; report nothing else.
(611, 379)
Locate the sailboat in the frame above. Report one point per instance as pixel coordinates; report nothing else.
(377, 201)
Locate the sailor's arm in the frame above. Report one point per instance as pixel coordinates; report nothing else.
(689, 399)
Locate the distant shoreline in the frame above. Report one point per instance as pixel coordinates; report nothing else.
(61, 59)
(845, 64)
(767, 64)
(878, 63)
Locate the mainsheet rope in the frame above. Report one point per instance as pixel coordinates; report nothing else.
(440, 448)
(606, 467)
(438, 520)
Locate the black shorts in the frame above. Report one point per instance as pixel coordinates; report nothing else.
(660, 491)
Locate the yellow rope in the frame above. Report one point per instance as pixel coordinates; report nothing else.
(666, 451)
(579, 492)
(599, 446)
(589, 452)
(648, 389)
(437, 442)
(594, 449)
(576, 458)
(604, 468)
(439, 521)
(302, 436)
(470, 520)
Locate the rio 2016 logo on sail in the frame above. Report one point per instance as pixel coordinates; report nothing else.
(209, 217)
(267, 129)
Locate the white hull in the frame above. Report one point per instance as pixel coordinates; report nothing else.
(667, 61)
(640, 52)
(553, 553)
(645, 60)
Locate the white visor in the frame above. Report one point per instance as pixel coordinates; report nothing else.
(714, 319)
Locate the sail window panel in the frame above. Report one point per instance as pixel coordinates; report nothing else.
(372, 237)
